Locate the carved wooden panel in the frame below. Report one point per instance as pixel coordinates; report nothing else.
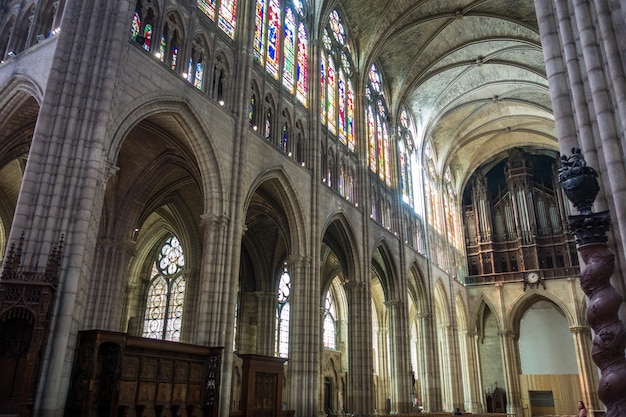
(150, 376)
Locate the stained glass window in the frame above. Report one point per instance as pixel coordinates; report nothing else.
(166, 294)
(135, 26)
(341, 106)
(282, 315)
(281, 43)
(251, 110)
(147, 37)
(323, 87)
(406, 152)
(273, 39)
(330, 334)
(289, 50)
(379, 139)
(302, 65)
(259, 31)
(350, 112)
(227, 18)
(331, 97)
(207, 7)
(142, 24)
(337, 92)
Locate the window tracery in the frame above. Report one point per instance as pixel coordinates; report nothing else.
(281, 43)
(166, 293)
(337, 92)
(378, 128)
(282, 315)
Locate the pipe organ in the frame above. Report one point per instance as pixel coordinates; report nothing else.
(514, 220)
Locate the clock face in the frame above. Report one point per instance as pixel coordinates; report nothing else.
(533, 277)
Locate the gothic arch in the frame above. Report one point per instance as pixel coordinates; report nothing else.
(522, 304)
(479, 305)
(384, 268)
(17, 126)
(339, 237)
(462, 318)
(441, 307)
(274, 184)
(194, 135)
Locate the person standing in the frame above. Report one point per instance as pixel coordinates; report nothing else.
(582, 411)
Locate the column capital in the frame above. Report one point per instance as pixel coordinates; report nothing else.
(296, 260)
(353, 285)
(213, 220)
(393, 303)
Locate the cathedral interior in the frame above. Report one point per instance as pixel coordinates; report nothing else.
(309, 208)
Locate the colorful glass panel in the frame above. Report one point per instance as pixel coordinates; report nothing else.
(323, 88)
(166, 294)
(207, 7)
(302, 66)
(386, 154)
(199, 77)
(174, 57)
(273, 39)
(259, 30)
(375, 78)
(341, 106)
(162, 48)
(282, 319)
(329, 335)
(331, 113)
(147, 35)
(135, 26)
(228, 17)
(289, 50)
(337, 27)
(371, 134)
(350, 111)
(380, 149)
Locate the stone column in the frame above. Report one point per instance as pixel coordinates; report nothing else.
(215, 310)
(512, 367)
(446, 361)
(61, 191)
(429, 374)
(267, 303)
(305, 343)
(401, 378)
(109, 282)
(360, 395)
(385, 390)
(471, 381)
(479, 377)
(586, 368)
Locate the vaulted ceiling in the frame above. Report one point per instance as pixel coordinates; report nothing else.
(471, 72)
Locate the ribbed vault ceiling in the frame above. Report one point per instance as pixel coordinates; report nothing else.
(471, 73)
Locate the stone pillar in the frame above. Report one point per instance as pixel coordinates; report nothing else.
(471, 381)
(429, 374)
(104, 309)
(360, 395)
(512, 367)
(401, 378)
(267, 303)
(479, 377)
(385, 390)
(305, 347)
(447, 364)
(215, 309)
(588, 372)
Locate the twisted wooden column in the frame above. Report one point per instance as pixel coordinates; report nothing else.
(580, 185)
